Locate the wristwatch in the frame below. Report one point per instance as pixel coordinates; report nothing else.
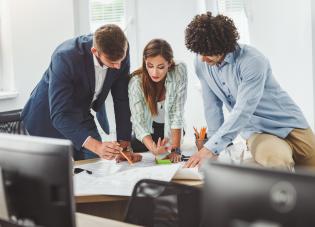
(177, 150)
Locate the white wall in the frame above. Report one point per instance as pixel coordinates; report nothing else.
(282, 30)
(164, 19)
(313, 51)
(37, 27)
(6, 48)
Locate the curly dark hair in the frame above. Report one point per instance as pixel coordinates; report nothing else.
(211, 35)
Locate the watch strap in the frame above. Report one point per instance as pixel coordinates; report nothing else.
(177, 150)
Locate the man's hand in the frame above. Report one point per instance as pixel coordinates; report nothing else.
(199, 157)
(174, 157)
(108, 150)
(134, 157)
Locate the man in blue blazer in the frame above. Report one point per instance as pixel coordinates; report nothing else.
(82, 72)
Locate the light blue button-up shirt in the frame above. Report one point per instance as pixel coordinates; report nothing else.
(257, 104)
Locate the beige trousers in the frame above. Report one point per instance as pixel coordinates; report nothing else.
(298, 149)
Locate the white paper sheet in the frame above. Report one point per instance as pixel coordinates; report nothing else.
(111, 178)
(188, 174)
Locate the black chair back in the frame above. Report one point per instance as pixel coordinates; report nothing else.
(4, 223)
(158, 204)
(11, 122)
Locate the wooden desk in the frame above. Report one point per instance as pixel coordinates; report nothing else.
(85, 220)
(108, 206)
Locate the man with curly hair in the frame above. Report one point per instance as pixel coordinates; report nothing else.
(240, 77)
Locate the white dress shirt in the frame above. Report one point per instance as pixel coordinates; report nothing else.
(100, 75)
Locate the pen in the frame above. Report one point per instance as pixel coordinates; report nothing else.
(184, 158)
(79, 170)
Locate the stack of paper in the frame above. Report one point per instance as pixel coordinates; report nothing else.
(111, 178)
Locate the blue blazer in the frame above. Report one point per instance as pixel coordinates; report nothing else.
(60, 104)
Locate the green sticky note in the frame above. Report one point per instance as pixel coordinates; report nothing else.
(163, 161)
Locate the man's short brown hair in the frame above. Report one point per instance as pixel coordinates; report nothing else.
(110, 40)
(211, 35)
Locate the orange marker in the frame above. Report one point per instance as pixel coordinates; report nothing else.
(202, 133)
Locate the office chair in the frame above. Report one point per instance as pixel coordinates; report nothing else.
(11, 122)
(4, 223)
(157, 204)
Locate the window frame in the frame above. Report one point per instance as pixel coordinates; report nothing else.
(242, 26)
(7, 84)
(1, 48)
(122, 24)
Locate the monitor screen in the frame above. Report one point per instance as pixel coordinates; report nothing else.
(235, 196)
(36, 187)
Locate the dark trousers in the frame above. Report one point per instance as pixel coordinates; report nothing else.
(158, 132)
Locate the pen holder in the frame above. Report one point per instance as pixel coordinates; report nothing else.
(200, 142)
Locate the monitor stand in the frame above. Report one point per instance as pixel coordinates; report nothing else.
(3, 202)
(4, 215)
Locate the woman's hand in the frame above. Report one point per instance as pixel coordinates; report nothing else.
(160, 147)
(174, 157)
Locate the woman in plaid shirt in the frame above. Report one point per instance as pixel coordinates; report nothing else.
(157, 95)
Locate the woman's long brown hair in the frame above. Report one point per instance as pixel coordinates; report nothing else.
(154, 48)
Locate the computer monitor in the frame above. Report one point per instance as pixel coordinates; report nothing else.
(239, 196)
(36, 185)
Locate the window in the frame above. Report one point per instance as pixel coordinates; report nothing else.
(106, 12)
(1, 46)
(235, 9)
(7, 86)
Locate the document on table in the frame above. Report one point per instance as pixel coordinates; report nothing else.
(188, 174)
(111, 178)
